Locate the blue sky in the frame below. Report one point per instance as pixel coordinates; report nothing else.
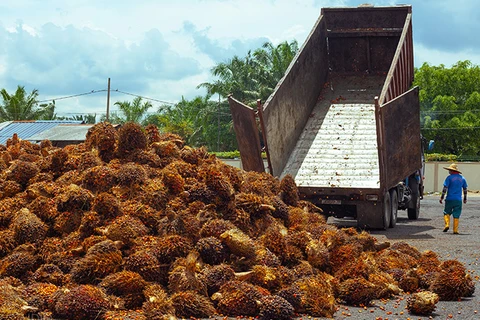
(163, 49)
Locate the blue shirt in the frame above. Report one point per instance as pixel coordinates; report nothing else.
(455, 184)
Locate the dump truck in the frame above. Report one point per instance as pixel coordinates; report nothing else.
(344, 121)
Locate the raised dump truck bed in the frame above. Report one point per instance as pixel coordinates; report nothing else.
(344, 122)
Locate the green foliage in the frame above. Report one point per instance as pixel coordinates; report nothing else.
(450, 106)
(129, 111)
(87, 118)
(23, 106)
(441, 157)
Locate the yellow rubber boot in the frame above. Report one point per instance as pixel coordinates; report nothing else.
(455, 225)
(446, 217)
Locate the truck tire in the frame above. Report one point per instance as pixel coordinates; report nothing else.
(394, 203)
(387, 210)
(414, 212)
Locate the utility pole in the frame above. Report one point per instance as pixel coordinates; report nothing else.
(108, 100)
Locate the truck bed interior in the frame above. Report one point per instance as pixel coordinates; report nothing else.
(338, 147)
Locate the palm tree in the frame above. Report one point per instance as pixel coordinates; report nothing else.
(272, 63)
(134, 111)
(21, 106)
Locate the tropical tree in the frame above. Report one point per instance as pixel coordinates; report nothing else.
(23, 106)
(254, 76)
(133, 111)
(450, 107)
(85, 118)
(200, 122)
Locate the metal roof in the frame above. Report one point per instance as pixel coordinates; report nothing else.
(63, 132)
(26, 129)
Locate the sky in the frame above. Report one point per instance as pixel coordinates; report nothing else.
(163, 49)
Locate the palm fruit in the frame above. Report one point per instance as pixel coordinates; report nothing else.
(303, 269)
(101, 260)
(317, 254)
(107, 205)
(409, 281)
(74, 198)
(254, 204)
(124, 315)
(341, 255)
(92, 182)
(292, 294)
(7, 242)
(173, 180)
(266, 257)
(90, 221)
(39, 295)
(125, 228)
(390, 259)
(152, 133)
(44, 208)
(131, 138)
(316, 293)
(422, 303)
(212, 250)
(49, 273)
(12, 304)
(357, 267)
(28, 227)
(131, 174)
(166, 149)
(9, 189)
(215, 227)
(21, 172)
(19, 263)
(145, 263)
(58, 161)
(169, 248)
(68, 221)
(126, 284)
(239, 243)
(81, 303)
(266, 277)
(275, 308)
(102, 137)
(190, 304)
(281, 210)
(186, 276)
(274, 239)
(407, 249)
(157, 304)
(357, 292)
(154, 193)
(217, 275)
(260, 183)
(88, 160)
(237, 298)
(386, 286)
(289, 192)
(452, 282)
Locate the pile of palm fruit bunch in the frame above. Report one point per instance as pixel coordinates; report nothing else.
(134, 224)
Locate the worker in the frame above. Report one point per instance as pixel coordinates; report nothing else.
(453, 186)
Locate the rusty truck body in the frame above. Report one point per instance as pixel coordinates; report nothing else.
(344, 121)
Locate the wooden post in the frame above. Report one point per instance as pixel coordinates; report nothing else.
(108, 101)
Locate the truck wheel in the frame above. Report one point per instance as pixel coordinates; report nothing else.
(414, 212)
(394, 201)
(387, 210)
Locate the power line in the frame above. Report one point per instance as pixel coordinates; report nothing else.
(146, 98)
(73, 95)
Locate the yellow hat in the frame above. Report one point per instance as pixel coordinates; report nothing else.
(452, 167)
